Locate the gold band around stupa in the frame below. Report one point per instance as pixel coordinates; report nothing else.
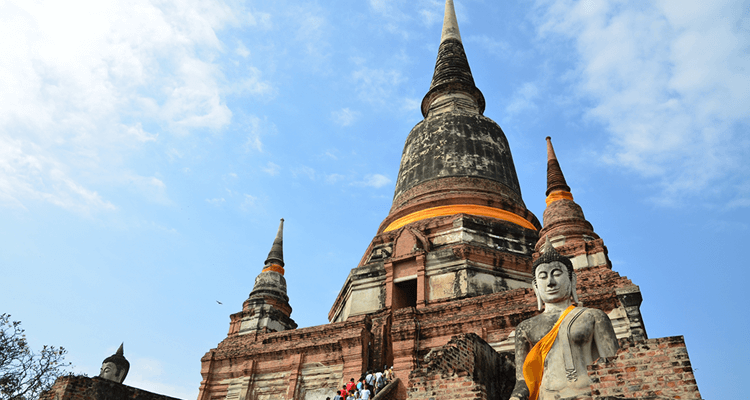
(472, 209)
(558, 195)
(274, 268)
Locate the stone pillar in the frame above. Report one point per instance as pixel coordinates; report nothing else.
(207, 363)
(388, 285)
(354, 349)
(405, 332)
(631, 299)
(249, 371)
(294, 376)
(380, 350)
(422, 285)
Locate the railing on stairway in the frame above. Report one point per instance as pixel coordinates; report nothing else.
(384, 393)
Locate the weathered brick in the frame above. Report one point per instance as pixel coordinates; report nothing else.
(655, 375)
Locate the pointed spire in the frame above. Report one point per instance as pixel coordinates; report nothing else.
(565, 223)
(120, 351)
(276, 255)
(452, 84)
(450, 23)
(555, 179)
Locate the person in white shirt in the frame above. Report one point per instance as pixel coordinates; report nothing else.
(366, 393)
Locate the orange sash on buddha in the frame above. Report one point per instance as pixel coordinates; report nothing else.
(533, 367)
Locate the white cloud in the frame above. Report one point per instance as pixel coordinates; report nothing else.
(255, 128)
(311, 27)
(333, 178)
(432, 12)
(523, 99)
(88, 197)
(271, 169)
(344, 117)
(259, 19)
(725, 227)
(304, 171)
(311, 32)
(241, 50)
(492, 45)
(138, 133)
(741, 197)
(152, 188)
(216, 202)
(173, 154)
(411, 104)
(374, 180)
(382, 6)
(669, 80)
(29, 172)
(252, 83)
(249, 202)
(377, 86)
(76, 75)
(194, 99)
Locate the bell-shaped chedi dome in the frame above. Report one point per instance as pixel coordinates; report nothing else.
(458, 226)
(456, 161)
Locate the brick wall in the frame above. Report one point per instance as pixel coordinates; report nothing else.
(465, 368)
(655, 368)
(296, 364)
(271, 365)
(85, 388)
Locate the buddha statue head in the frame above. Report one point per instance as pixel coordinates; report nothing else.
(546, 265)
(115, 367)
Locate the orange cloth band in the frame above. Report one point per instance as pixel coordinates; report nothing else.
(533, 367)
(558, 195)
(471, 209)
(274, 268)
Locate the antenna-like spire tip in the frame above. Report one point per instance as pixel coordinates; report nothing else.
(450, 23)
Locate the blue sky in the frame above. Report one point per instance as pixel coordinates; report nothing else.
(149, 148)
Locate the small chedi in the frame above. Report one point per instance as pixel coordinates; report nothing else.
(267, 308)
(557, 345)
(115, 367)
